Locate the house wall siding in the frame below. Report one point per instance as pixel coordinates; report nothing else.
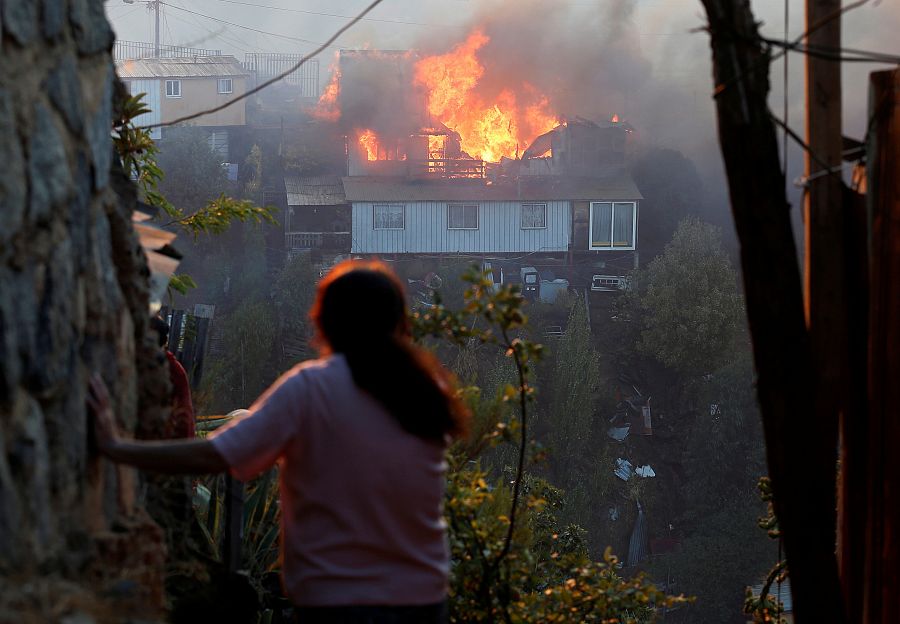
(150, 87)
(198, 94)
(499, 230)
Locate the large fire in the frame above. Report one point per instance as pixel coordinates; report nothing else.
(376, 148)
(454, 96)
(488, 130)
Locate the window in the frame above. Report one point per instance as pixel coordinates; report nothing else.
(389, 216)
(613, 225)
(534, 216)
(462, 216)
(173, 88)
(225, 85)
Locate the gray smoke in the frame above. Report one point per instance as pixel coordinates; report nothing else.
(585, 62)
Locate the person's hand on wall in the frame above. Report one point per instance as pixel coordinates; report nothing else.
(106, 432)
(193, 456)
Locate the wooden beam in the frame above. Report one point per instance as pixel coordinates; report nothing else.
(826, 260)
(882, 579)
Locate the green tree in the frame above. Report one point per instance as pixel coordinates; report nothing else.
(294, 293)
(567, 404)
(197, 184)
(692, 310)
(193, 171)
(505, 565)
(245, 368)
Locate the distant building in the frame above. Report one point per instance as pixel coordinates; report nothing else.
(564, 207)
(176, 87)
(554, 215)
(317, 215)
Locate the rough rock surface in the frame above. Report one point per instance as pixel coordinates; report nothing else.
(74, 543)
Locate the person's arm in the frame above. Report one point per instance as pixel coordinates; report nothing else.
(174, 457)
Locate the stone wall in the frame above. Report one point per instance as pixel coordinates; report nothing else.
(73, 299)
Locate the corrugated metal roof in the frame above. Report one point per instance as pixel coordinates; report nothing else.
(314, 191)
(182, 67)
(527, 188)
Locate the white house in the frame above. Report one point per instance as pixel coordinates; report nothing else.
(554, 215)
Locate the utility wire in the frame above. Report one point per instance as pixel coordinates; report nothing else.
(834, 54)
(827, 19)
(275, 79)
(305, 12)
(256, 30)
(766, 60)
(800, 142)
(232, 40)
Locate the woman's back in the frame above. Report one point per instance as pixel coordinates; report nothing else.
(361, 497)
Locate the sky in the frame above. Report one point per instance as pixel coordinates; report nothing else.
(645, 60)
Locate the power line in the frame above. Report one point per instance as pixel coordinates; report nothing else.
(306, 12)
(217, 34)
(232, 38)
(257, 30)
(126, 13)
(847, 55)
(275, 79)
(766, 60)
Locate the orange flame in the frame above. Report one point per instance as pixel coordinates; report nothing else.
(615, 118)
(487, 131)
(369, 141)
(436, 145)
(327, 108)
(376, 149)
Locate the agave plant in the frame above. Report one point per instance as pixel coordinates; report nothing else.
(260, 519)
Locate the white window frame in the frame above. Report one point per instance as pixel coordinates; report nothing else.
(230, 86)
(533, 227)
(612, 225)
(172, 93)
(375, 208)
(451, 207)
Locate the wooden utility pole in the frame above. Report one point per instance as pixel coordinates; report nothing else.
(882, 570)
(800, 448)
(825, 252)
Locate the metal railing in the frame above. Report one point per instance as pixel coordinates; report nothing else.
(332, 241)
(124, 50)
(447, 168)
(266, 65)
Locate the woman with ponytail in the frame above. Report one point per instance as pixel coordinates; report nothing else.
(359, 435)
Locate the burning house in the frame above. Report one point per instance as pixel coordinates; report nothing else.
(439, 164)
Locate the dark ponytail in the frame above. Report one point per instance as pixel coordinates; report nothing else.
(360, 312)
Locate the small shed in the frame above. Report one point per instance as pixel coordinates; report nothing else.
(318, 215)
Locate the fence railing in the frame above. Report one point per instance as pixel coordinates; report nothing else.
(447, 168)
(331, 241)
(266, 65)
(124, 50)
